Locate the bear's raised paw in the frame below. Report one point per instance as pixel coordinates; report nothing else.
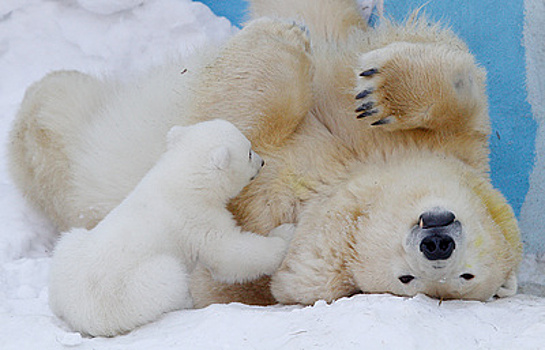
(408, 86)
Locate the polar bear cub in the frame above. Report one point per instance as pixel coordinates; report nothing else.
(134, 265)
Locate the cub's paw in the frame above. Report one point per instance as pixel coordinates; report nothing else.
(409, 86)
(285, 231)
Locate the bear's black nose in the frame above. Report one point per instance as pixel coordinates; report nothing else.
(437, 246)
(436, 219)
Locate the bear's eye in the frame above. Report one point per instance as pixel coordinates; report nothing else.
(406, 279)
(250, 154)
(467, 276)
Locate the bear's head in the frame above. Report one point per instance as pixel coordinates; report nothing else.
(424, 223)
(435, 227)
(214, 155)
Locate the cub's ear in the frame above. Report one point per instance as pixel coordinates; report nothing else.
(175, 134)
(220, 157)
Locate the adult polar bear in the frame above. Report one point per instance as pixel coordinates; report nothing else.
(394, 198)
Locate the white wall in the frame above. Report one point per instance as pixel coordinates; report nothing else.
(532, 217)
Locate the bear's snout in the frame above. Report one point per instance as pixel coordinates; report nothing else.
(437, 228)
(437, 246)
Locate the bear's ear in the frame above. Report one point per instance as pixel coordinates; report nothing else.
(220, 157)
(175, 134)
(500, 211)
(509, 288)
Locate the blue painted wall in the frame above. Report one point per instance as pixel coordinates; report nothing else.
(234, 10)
(493, 31)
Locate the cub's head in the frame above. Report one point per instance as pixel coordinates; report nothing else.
(429, 225)
(216, 155)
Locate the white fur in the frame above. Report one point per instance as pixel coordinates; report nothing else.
(133, 265)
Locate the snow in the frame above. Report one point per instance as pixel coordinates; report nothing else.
(125, 36)
(108, 7)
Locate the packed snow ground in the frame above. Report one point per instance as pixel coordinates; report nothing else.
(120, 37)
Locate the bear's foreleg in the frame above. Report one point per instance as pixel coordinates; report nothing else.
(315, 267)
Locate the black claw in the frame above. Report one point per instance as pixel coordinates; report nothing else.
(364, 94)
(365, 107)
(367, 113)
(369, 72)
(381, 122)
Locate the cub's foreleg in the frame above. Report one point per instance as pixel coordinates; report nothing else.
(244, 256)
